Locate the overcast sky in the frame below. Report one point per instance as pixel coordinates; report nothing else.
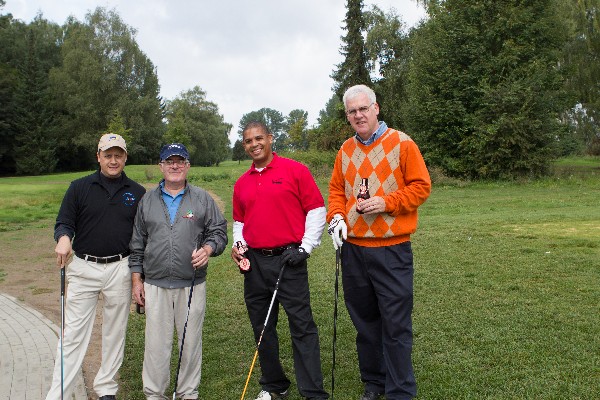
(245, 55)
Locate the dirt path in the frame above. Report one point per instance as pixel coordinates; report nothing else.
(30, 274)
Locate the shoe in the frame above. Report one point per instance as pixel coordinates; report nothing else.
(370, 396)
(264, 395)
(108, 397)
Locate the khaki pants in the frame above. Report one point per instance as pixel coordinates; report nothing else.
(166, 309)
(87, 280)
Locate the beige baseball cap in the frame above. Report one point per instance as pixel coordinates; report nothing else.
(111, 140)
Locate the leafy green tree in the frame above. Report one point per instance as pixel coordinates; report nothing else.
(104, 71)
(196, 122)
(354, 68)
(238, 152)
(296, 126)
(117, 126)
(331, 131)
(581, 57)
(273, 119)
(485, 87)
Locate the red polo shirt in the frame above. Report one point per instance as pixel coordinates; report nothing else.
(272, 204)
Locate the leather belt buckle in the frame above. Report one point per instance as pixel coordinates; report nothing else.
(268, 252)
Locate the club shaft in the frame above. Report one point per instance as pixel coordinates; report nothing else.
(335, 314)
(183, 336)
(263, 330)
(62, 331)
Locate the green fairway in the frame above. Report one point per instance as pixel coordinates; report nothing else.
(507, 290)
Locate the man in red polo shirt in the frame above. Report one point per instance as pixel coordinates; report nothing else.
(279, 214)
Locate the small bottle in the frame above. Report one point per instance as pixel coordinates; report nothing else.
(244, 262)
(363, 192)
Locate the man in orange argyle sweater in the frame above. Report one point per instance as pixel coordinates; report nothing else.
(377, 260)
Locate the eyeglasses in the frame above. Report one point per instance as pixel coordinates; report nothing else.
(170, 163)
(362, 110)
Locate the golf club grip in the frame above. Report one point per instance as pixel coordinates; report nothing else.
(62, 280)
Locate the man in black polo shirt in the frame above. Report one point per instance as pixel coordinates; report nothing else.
(95, 223)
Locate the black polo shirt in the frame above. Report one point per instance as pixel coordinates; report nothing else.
(97, 216)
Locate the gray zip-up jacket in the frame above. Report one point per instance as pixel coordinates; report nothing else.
(163, 252)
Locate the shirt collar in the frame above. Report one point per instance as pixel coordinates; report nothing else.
(376, 135)
(272, 164)
(161, 184)
(98, 178)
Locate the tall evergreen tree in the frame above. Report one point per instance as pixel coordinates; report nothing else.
(12, 50)
(387, 48)
(353, 69)
(35, 150)
(485, 87)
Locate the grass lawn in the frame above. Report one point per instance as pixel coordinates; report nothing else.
(507, 290)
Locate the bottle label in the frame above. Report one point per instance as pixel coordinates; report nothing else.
(363, 193)
(244, 265)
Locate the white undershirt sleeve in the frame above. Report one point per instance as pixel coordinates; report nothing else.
(313, 230)
(237, 232)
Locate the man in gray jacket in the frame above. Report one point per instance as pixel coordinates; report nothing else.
(177, 227)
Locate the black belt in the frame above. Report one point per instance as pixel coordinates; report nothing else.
(276, 251)
(103, 260)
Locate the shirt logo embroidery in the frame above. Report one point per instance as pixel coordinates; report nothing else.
(189, 215)
(277, 181)
(128, 198)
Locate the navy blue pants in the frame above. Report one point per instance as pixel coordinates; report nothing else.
(378, 291)
(294, 296)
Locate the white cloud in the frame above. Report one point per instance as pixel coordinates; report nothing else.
(245, 55)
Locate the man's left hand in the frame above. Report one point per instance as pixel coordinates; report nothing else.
(294, 256)
(373, 205)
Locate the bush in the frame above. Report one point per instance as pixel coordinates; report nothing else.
(320, 163)
(209, 177)
(150, 172)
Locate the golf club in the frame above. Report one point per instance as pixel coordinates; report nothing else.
(183, 336)
(199, 239)
(335, 313)
(263, 331)
(62, 330)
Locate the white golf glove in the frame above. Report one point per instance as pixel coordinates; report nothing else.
(338, 231)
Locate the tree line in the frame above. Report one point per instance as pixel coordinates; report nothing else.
(488, 89)
(61, 87)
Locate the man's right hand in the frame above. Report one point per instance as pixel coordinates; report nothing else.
(338, 231)
(236, 255)
(63, 250)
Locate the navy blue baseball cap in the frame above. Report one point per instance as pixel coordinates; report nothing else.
(173, 149)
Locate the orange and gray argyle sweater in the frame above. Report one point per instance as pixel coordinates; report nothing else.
(396, 172)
